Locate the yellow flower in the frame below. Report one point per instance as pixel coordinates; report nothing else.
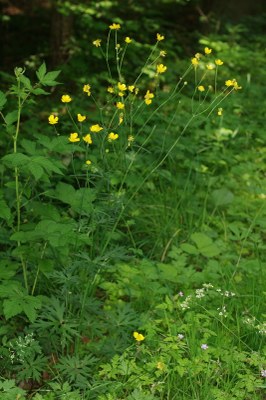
(96, 128)
(159, 37)
(148, 97)
(112, 136)
(121, 86)
(197, 56)
(117, 46)
(115, 27)
(138, 336)
(88, 162)
(87, 139)
(73, 137)
(130, 139)
(160, 365)
(195, 61)
(87, 89)
(136, 90)
(66, 98)
(110, 89)
(207, 50)
(97, 42)
(229, 82)
(121, 118)
(236, 86)
(120, 105)
(163, 53)
(161, 68)
(220, 112)
(219, 62)
(128, 40)
(210, 67)
(81, 118)
(131, 88)
(201, 88)
(53, 119)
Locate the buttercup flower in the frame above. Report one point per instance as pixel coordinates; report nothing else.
(87, 139)
(81, 118)
(121, 86)
(120, 105)
(131, 88)
(138, 336)
(148, 97)
(160, 365)
(220, 112)
(210, 67)
(128, 40)
(159, 37)
(96, 128)
(97, 42)
(162, 53)
(121, 118)
(110, 89)
(194, 61)
(204, 346)
(161, 68)
(87, 89)
(201, 88)
(229, 83)
(112, 136)
(219, 62)
(115, 27)
(53, 119)
(207, 50)
(88, 162)
(66, 98)
(73, 137)
(197, 56)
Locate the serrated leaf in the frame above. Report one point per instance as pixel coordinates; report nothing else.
(49, 78)
(26, 82)
(5, 212)
(41, 71)
(11, 308)
(205, 244)
(36, 170)
(17, 159)
(188, 248)
(39, 92)
(30, 306)
(3, 100)
(11, 117)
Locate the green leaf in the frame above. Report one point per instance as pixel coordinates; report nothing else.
(12, 307)
(26, 82)
(188, 248)
(7, 269)
(222, 197)
(11, 117)
(5, 212)
(16, 160)
(39, 92)
(49, 78)
(3, 100)
(205, 244)
(41, 71)
(30, 306)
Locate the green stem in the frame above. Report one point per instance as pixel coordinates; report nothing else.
(18, 196)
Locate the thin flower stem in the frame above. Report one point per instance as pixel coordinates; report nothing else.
(18, 195)
(107, 54)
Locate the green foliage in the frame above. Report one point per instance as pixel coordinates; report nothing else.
(133, 267)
